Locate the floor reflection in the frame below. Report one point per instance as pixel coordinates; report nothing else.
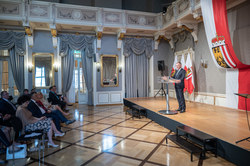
(105, 135)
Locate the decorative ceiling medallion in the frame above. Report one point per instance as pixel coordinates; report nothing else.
(77, 14)
(142, 20)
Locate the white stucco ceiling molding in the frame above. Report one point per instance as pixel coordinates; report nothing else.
(120, 36)
(29, 32)
(190, 27)
(197, 15)
(163, 35)
(53, 34)
(25, 12)
(169, 36)
(99, 30)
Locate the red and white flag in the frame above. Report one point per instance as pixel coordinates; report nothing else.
(185, 68)
(183, 62)
(214, 14)
(173, 68)
(189, 80)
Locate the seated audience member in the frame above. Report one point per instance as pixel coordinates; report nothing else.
(31, 123)
(38, 110)
(48, 105)
(56, 100)
(26, 92)
(8, 114)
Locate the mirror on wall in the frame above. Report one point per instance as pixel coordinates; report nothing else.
(109, 70)
(43, 70)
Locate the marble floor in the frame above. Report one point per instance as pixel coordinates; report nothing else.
(106, 135)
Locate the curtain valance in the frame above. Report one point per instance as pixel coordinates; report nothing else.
(138, 46)
(77, 42)
(9, 39)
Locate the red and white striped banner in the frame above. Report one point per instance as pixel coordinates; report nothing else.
(216, 26)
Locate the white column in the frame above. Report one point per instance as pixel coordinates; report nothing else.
(94, 85)
(94, 78)
(26, 64)
(59, 73)
(123, 71)
(151, 76)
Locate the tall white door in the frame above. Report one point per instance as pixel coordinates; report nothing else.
(81, 94)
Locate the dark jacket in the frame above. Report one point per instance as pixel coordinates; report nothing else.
(180, 76)
(34, 109)
(6, 108)
(54, 98)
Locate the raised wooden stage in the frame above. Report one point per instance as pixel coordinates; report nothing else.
(227, 125)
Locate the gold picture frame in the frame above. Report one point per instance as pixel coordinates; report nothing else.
(109, 71)
(51, 74)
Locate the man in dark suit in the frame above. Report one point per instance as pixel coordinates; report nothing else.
(8, 114)
(179, 86)
(38, 110)
(55, 99)
(179, 75)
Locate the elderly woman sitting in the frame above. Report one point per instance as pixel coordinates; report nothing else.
(48, 105)
(31, 123)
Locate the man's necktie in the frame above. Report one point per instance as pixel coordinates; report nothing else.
(41, 105)
(177, 72)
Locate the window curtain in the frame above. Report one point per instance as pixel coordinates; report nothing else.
(137, 53)
(84, 43)
(87, 68)
(14, 42)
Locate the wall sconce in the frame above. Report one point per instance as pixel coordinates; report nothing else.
(56, 67)
(30, 67)
(98, 67)
(120, 69)
(204, 63)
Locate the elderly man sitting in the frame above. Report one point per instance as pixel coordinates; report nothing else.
(50, 106)
(38, 110)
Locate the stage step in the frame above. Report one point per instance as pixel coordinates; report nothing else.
(188, 146)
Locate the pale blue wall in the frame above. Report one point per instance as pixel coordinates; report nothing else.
(109, 46)
(42, 44)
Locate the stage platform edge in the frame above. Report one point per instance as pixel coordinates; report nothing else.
(230, 152)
